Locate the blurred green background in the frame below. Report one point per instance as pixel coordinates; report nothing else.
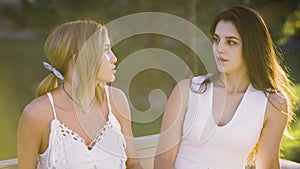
(24, 25)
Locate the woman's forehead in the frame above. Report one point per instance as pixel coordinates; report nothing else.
(226, 28)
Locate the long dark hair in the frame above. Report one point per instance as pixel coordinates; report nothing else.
(262, 59)
(264, 63)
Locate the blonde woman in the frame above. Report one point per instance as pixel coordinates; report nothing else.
(236, 116)
(76, 121)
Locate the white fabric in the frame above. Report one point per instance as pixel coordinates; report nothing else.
(67, 150)
(206, 145)
(53, 70)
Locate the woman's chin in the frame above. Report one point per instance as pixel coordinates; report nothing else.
(107, 80)
(112, 79)
(220, 69)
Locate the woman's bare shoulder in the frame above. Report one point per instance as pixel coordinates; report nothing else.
(277, 107)
(184, 83)
(38, 110)
(116, 91)
(118, 101)
(278, 100)
(117, 96)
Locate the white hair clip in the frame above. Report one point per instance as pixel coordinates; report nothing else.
(53, 70)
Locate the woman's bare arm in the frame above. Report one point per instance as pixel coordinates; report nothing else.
(270, 139)
(171, 129)
(32, 124)
(122, 112)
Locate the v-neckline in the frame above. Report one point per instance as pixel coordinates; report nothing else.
(235, 112)
(102, 130)
(93, 142)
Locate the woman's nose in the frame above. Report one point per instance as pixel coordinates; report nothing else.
(221, 47)
(113, 57)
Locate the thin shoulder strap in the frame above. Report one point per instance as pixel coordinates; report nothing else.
(52, 104)
(107, 97)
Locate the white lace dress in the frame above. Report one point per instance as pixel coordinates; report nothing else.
(67, 150)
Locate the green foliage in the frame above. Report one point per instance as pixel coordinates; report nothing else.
(20, 71)
(291, 26)
(292, 23)
(290, 147)
(41, 15)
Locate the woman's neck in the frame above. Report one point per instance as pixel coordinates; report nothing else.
(67, 89)
(235, 83)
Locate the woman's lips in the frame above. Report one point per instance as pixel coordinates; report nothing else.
(114, 69)
(222, 59)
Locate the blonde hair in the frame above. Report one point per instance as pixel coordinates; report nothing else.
(83, 39)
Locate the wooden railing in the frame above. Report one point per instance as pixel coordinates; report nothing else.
(9, 164)
(146, 147)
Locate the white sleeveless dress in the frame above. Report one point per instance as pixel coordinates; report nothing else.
(205, 145)
(67, 150)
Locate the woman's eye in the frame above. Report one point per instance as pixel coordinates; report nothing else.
(216, 40)
(230, 42)
(106, 50)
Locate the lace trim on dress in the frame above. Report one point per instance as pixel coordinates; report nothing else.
(59, 133)
(73, 136)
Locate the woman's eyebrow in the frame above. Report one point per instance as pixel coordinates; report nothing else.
(227, 37)
(107, 45)
(232, 37)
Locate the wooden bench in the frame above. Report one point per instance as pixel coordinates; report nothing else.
(146, 147)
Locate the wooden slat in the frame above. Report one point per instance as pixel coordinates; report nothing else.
(144, 146)
(9, 164)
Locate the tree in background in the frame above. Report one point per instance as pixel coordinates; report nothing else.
(292, 23)
(290, 42)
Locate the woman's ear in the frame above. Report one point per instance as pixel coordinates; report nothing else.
(73, 60)
(70, 68)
